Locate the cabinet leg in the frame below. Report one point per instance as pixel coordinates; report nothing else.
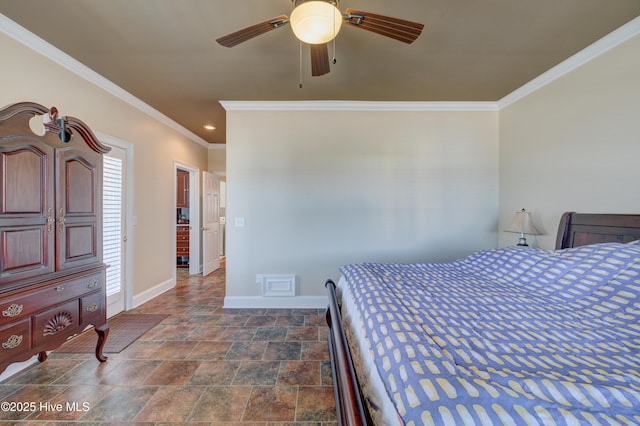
(103, 332)
(42, 356)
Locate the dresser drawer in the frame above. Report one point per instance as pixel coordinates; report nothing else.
(24, 305)
(55, 322)
(77, 287)
(15, 338)
(92, 309)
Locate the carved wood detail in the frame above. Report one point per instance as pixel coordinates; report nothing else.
(58, 323)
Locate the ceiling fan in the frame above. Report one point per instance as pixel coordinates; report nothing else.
(316, 22)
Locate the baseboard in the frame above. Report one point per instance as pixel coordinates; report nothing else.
(258, 302)
(154, 291)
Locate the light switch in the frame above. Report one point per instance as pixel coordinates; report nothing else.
(239, 222)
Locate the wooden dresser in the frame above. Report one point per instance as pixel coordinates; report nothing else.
(182, 245)
(52, 278)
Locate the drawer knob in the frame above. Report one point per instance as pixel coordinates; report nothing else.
(93, 283)
(92, 307)
(60, 288)
(12, 310)
(12, 342)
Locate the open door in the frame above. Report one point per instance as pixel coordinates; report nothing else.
(114, 238)
(210, 223)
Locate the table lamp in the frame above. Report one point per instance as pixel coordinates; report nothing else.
(522, 224)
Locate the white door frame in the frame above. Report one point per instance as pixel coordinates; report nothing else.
(130, 219)
(194, 215)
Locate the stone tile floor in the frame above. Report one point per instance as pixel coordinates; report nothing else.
(202, 365)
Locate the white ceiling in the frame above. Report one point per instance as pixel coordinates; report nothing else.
(164, 51)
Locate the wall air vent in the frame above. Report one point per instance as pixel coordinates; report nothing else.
(277, 285)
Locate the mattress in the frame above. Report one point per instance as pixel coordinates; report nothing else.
(506, 336)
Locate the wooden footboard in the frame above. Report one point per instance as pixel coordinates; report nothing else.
(349, 405)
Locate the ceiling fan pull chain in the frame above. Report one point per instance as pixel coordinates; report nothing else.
(334, 52)
(334, 36)
(300, 82)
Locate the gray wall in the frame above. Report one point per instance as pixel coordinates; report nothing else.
(320, 189)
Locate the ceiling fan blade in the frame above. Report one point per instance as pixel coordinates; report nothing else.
(248, 33)
(398, 29)
(319, 59)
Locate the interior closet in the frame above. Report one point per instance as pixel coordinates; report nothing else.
(182, 218)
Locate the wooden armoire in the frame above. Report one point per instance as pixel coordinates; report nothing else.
(52, 278)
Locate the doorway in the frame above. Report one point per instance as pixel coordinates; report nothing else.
(186, 208)
(117, 223)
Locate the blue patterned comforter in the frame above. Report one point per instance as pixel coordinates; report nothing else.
(507, 336)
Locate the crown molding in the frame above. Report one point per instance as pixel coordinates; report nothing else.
(599, 47)
(356, 106)
(32, 41)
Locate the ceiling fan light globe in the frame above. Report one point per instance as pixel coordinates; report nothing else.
(315, 22)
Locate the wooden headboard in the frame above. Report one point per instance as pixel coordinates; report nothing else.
(579, 229)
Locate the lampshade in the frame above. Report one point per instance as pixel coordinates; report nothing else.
(316, 22)
(522, 224)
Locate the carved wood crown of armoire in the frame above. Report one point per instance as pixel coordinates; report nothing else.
(52, 278)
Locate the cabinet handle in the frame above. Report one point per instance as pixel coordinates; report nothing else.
(12, 342)
(59, 288)
(92, 307)
(61, 220)
(50, 220)
(93, 283)
(12, 310)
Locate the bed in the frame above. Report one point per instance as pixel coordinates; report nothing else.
(505, 336)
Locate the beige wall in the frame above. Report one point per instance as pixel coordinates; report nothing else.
(574, 144)
(29, 76)
(217, 158)
(320, 189)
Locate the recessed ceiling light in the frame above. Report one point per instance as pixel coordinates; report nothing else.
(209, 127)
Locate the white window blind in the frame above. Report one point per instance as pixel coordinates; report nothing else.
(112, 222)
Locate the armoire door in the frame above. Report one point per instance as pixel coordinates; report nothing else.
(78, 208)
(26, 209)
